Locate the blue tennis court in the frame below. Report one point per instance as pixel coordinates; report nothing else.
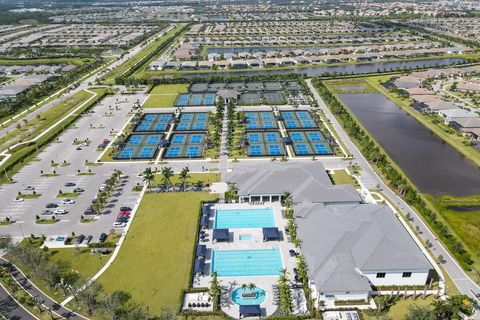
(308, 143)
(298, 120)
(192, 122)
(242, 263)
(195, 99)
(260, 121)
(186, 145)
(139, 146)
(264, 143)
(153, 122)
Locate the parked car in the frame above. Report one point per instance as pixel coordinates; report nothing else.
(17, 199)
(102, 237)
(68, 201)
(46, 213)
(78, 148)
(29, 188)
(88, 239)
(51, 205)
(124, 213)
(60, 211)
(125, 209)
(89, 211)
(119, 224)
(70, 184)
(79, 239)
(77, 189)
(122, 219)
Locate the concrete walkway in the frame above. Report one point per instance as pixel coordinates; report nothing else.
(460, 278)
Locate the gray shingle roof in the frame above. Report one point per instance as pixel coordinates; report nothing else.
(340, 242)
(307, 182)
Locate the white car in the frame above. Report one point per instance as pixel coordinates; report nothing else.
(119, 224)
(60, 211)
(18, 199)
(68, 201)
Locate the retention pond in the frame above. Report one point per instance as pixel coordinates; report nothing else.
(432, 165)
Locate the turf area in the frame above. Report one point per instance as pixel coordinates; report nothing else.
(160, 101)
(169, 89)
(342, 177)
(155, 261)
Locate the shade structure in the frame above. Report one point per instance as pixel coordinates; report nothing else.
(250, 311)
(271, 233)
(199, 267)
(221, 234)
(201, 250)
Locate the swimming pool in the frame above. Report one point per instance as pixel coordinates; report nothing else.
(244, 218)
(248, 296)
(231, 263)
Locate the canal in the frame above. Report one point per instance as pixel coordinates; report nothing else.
(434, 166)
(343, 69)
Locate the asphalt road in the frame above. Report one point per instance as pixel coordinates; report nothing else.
(10, 309)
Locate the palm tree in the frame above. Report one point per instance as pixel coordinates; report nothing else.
(287, 199)
(148, 177)
(244, 287)
(184, 176)
(167, 173)
(252, 286)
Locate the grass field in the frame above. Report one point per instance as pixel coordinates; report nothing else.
(169, 89)
(342, 177)
(155, 261)
(399, 310)
(160, 101)
(8, 62)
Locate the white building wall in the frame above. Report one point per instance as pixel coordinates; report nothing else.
(344, 296)
(395, 278)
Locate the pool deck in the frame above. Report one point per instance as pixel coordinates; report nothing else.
(228, 284)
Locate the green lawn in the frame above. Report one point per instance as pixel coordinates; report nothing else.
(399, 310)
(160, 101)
(207, 177)
(342, 177)
(169, 89)
(155, 261)
(82, 261)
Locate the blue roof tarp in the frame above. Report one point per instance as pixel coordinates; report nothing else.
(221, 234)
(271, 233)
(250, 310)
(199, 267)
(201, 250)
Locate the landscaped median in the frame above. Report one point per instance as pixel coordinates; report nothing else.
(394, 176)
(21, 154)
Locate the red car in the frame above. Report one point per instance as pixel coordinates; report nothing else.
(124, 213)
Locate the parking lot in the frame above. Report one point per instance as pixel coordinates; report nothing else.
(62, 166)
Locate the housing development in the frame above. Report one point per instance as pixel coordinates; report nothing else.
(219, 159)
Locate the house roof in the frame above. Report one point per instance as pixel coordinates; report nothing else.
(468, 122)
(307, 182)
(354, 239)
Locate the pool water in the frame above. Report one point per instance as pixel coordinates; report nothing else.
(258, 299)
(245, 237)
(231, 263)
(245, 218)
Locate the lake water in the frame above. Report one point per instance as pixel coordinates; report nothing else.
(344, 69)
(433, 166)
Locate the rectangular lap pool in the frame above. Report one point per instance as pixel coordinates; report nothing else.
(245, 218)
(234, 263)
